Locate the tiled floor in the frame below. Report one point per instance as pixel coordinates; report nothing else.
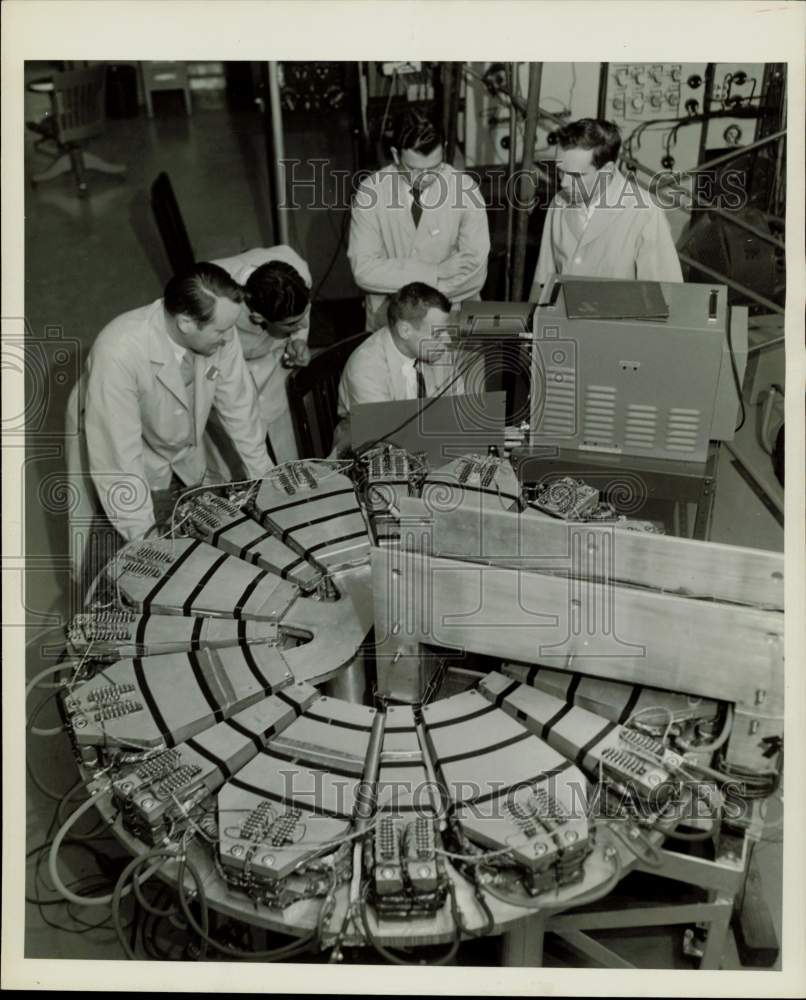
(88, 260)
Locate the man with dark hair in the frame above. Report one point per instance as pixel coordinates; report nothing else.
(601, 224)
(418, 219)
(153, 376)
(273, 327)
(410, 358)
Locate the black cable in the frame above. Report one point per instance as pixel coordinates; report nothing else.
(736, 381)
(137, 888)
(271, 955)
(132, 870)
(334, 258)
(396, 960)
(489, 919)
(426, 403)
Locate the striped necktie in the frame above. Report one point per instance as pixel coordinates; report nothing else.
(416, 206)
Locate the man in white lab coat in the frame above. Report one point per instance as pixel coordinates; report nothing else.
(418, 219)
(601, 224)
(153, 376)
(273, 328)
(410, 358)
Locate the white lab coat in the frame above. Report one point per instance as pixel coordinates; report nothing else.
(136, 417)
(627, 236)
(386, 251)
(263, 356)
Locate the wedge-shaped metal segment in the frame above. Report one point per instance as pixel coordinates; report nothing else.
(185, 576)
(613, 700)
(154, 788)
(314, 510)
(480, 750)
(591, 742)
(543, 822)
(229, 527)
(275, 815)
(165, 700)
(472, 482)
(119, 633)
(331, 734)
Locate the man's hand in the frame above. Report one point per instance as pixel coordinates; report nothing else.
(457, 266)
(296, 354)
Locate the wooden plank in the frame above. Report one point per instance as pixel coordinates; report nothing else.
(697, 647)
(683, 566)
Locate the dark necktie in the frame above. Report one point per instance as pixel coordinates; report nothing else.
(420, 380)
(416, 206)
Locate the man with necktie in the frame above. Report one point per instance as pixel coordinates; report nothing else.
(410, 358)
(153, 376)
(417, 220)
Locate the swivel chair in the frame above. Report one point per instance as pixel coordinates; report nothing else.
(78, 114)
(313, 397)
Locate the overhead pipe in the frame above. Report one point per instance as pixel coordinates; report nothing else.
(527, 178)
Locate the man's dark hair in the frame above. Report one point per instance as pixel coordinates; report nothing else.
(416, 130)
(276, 291)
(602, 137)
(413, 301)
(194, 292)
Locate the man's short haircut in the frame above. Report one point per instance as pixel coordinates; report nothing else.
(194, 292)
(412, 302)
(276, 291)
(602, 137)
(416, 130)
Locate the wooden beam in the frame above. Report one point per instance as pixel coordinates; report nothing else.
(534, 543)
(728, 652)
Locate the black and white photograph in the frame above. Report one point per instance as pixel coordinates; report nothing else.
(403, 473)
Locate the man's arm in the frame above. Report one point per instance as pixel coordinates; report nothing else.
(363, 381)
(237, 406)
(656, 256)
(373, 270)
(473, 247)
(113, 429)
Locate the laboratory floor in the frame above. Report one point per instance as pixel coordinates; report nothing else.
(89, 260)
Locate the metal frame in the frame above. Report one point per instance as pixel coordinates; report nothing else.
(723, 878)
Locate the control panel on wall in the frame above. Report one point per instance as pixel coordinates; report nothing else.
(656, 106)
(644, 91)
(736, 86)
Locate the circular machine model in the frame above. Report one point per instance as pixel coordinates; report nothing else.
(205, 738)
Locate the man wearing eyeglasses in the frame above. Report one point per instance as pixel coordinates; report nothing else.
(273, 327)
(418, 219)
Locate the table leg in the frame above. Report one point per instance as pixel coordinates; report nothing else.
(717, 932)
(522, 946)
